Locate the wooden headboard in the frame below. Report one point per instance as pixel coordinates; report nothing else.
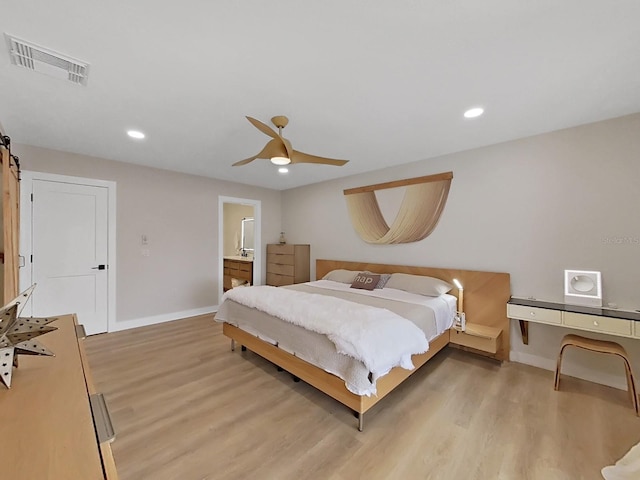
(485, 293)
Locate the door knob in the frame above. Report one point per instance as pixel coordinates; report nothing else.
(99, 267)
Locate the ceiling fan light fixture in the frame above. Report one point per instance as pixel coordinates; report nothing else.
(280, 160)
(283, 170)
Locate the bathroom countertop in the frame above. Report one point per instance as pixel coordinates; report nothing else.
(238, 258)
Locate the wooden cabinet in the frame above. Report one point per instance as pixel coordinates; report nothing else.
(237, 269)
(288, 264)
(48, 427)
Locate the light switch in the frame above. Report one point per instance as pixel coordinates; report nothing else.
(144, 240)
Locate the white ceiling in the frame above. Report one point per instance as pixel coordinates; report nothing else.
(374, 82)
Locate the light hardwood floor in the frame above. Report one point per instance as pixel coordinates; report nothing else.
(185, 407)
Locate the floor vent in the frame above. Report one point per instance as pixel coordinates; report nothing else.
(31, 56)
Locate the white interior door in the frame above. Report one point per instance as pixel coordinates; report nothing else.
(70, 252)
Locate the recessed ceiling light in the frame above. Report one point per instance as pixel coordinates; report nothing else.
(474, 112)
(283, 170)
(135, 134)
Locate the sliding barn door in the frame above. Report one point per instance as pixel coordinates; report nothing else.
(11, 226)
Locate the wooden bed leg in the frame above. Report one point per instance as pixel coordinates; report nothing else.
(360, 421)
(243, 348)
(233, 345)
(280, 369)
(296, 379)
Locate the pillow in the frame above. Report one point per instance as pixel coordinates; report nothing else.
(384, 278)
(432, 287)
(366, 281)
(340, 275)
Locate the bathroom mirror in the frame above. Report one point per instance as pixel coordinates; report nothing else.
(247, 242)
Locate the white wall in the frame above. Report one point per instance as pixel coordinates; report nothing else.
(531, 207)
(179, 215)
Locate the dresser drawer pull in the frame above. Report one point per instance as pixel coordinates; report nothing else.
(595, 323)
(533, 314)
(101, 418)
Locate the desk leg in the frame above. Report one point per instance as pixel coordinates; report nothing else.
(524, 331)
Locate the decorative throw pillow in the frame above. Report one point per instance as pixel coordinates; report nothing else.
(366, 281)
(341, 275)
(420, 284)
(384, 278)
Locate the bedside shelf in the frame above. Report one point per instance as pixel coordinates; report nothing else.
(479, 337)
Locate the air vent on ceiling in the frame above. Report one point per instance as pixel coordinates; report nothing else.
(31, 56)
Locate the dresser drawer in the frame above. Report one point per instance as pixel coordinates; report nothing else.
(594, 323)
(277, 280)
(534, 314)
(280, 269)
(276, 248)
(280, 258)
(636, 329)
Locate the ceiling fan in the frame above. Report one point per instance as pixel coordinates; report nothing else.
(279, 149)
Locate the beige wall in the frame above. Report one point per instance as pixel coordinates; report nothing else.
(233, 214)
(179, 215)
(531, 207)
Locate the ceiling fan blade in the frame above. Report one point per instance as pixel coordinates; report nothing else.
(288, 147)
(273, 148)
(245, 161)
(300, 157)
(263, 127)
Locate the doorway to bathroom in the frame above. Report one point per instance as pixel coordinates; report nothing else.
(239, 243)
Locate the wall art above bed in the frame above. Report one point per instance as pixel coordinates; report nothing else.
(423, 203)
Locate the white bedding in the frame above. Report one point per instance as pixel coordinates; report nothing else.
(444, 306)
(432, 315)
(377, 337)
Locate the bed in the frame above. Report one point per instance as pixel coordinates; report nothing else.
(307, 355)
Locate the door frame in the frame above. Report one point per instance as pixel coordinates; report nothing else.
(28, 177)
(257, 232)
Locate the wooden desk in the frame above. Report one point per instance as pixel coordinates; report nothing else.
(46, 419)
(622, 323)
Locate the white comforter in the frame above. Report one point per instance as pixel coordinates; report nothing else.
(379, 338)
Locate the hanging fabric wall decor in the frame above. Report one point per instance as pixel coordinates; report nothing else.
(423, 202)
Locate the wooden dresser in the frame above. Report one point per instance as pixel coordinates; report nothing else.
(240, 269)
(288, 264)
(47, 417)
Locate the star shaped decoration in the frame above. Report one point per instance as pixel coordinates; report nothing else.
(17, 335)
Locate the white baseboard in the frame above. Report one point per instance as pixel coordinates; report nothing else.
(165, 317)
(571, 369)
